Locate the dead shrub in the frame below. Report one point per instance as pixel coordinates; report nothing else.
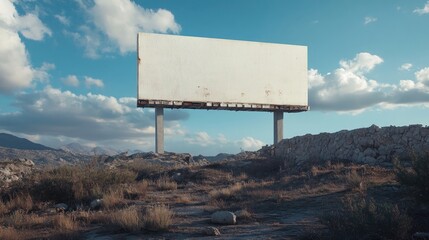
(355, 181)
(128, 219)
(71, 184)
(158, 218)
(415, 178)
(137, 190)
(10, 233)
(20, 220)
(361, 218)
(65, 222)
(3, 208)
(21, 201)
(165, 183)
(146, 170)
(113, 198)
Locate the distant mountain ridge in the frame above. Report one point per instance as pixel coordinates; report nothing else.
(11, 141)
(78, 148)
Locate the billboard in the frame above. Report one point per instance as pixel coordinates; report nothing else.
(206, 73)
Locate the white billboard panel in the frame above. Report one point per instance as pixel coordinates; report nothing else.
(193, 72)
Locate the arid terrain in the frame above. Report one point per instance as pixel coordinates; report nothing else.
(177, 196)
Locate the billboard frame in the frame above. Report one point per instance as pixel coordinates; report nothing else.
(277, 109)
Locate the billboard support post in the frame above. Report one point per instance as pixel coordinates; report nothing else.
(159, 130)
(278, 126)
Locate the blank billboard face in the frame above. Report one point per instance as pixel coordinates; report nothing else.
(192, 72)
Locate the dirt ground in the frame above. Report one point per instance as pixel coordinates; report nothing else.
(282, 204)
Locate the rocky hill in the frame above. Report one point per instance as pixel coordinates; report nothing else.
(11, 141)
(373, 145)
(51, 157)
(78, 148)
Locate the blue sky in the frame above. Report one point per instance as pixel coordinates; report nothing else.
(68, 68)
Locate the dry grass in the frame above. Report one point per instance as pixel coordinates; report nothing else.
(217, 204)
(137, 190)
(19, 220)
(225, 193)
(128, 219)
(21, 201)
(71, 184)
(10, 233)
(158, 218)
(261, 194)
(165, 183)
(113, 198)
(184, 198)
(355, 181)
(361, 218)
(65, 222)
(3, 208)
(211, 176)
(243, 214)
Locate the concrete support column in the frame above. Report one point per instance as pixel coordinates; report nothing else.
(159, 130)
(278, 126)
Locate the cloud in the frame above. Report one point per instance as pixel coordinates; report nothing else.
(62, 19)
(368, 20)
(119, 21)
(424, 10)
(200, 138)
(89, 82)
(91, 117)
(16, 71)
(348, 89)
(250, 144)
(406, 67)
(221, 143)
(71, 80)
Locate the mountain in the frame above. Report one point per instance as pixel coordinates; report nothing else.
(77, 148)
(11, 141)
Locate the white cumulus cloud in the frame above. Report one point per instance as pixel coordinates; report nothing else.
(71, 80)
(15, 69)
(250, 144)
(424, 10)
(406, 67)
(119, 21)
(89, 82)
(91, 117)
(348, 89)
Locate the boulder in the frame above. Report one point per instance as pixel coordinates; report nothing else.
(224, 217)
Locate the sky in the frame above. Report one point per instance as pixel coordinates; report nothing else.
(68, 69)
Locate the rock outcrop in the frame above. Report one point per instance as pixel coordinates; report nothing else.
(15, 169)
(165, 159)
(373, 145)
